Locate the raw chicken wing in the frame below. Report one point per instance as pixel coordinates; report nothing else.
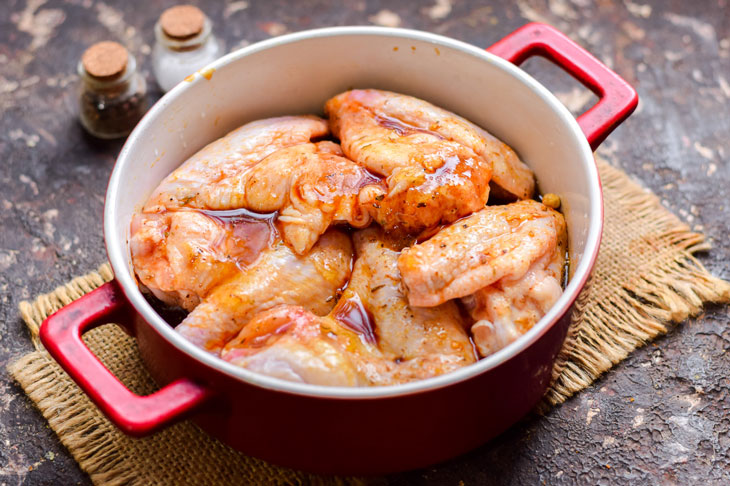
(213, 177)
(427, 341)
(279, 276)
(477, 251)
(511, 176)
(270, 166)
(312, 186)
(180, 256)
(430, 179)
(291, 343)
(506, 262)
(508, 308)
(372, 336)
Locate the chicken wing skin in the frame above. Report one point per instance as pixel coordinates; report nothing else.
(505, 262)
(371, 337)
(480, 249)
(435, 335)
(291, 343)
(181, 255)
(312, 186)
(509, 173)
(278, 276)
(430, 179)
(508, 308)
(212, 177)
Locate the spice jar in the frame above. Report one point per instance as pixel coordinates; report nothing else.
(112, 94)
(184, 44)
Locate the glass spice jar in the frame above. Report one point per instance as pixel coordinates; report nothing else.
(184, 44)
(112, 96)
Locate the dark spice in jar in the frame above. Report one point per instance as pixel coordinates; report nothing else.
(113, 94)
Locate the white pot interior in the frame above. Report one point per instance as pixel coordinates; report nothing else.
(296, 74)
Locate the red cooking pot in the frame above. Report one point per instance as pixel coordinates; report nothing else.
(338, 429)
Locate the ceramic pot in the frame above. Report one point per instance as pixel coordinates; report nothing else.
(337, 429)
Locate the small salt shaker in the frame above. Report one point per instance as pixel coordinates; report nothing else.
(112, 95)
(184, 44)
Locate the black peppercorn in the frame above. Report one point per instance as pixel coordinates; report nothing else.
(112, 98)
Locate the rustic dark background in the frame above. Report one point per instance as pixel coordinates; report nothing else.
(660, 417)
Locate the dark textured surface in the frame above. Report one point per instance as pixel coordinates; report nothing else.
(660, 417)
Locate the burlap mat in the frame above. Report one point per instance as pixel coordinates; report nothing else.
(646, 278)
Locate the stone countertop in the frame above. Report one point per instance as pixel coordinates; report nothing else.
(660, 417)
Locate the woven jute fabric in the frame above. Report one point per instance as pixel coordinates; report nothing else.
(646, 279)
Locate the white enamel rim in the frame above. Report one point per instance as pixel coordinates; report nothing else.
(116, 245)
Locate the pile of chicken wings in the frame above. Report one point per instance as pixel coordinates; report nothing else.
(373, 259)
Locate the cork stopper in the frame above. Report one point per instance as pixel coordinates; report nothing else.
(105, 60)
(182, 22)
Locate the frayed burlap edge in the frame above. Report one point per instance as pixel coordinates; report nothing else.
(668, 287)
(33, 313)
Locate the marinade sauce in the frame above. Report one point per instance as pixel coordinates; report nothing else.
(352, 314)
(402, 128)
(250, 233)
(239, 215)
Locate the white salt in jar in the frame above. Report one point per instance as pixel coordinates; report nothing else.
(184, 44)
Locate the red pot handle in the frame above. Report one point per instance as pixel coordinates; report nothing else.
(617, 99)
(133, 414)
